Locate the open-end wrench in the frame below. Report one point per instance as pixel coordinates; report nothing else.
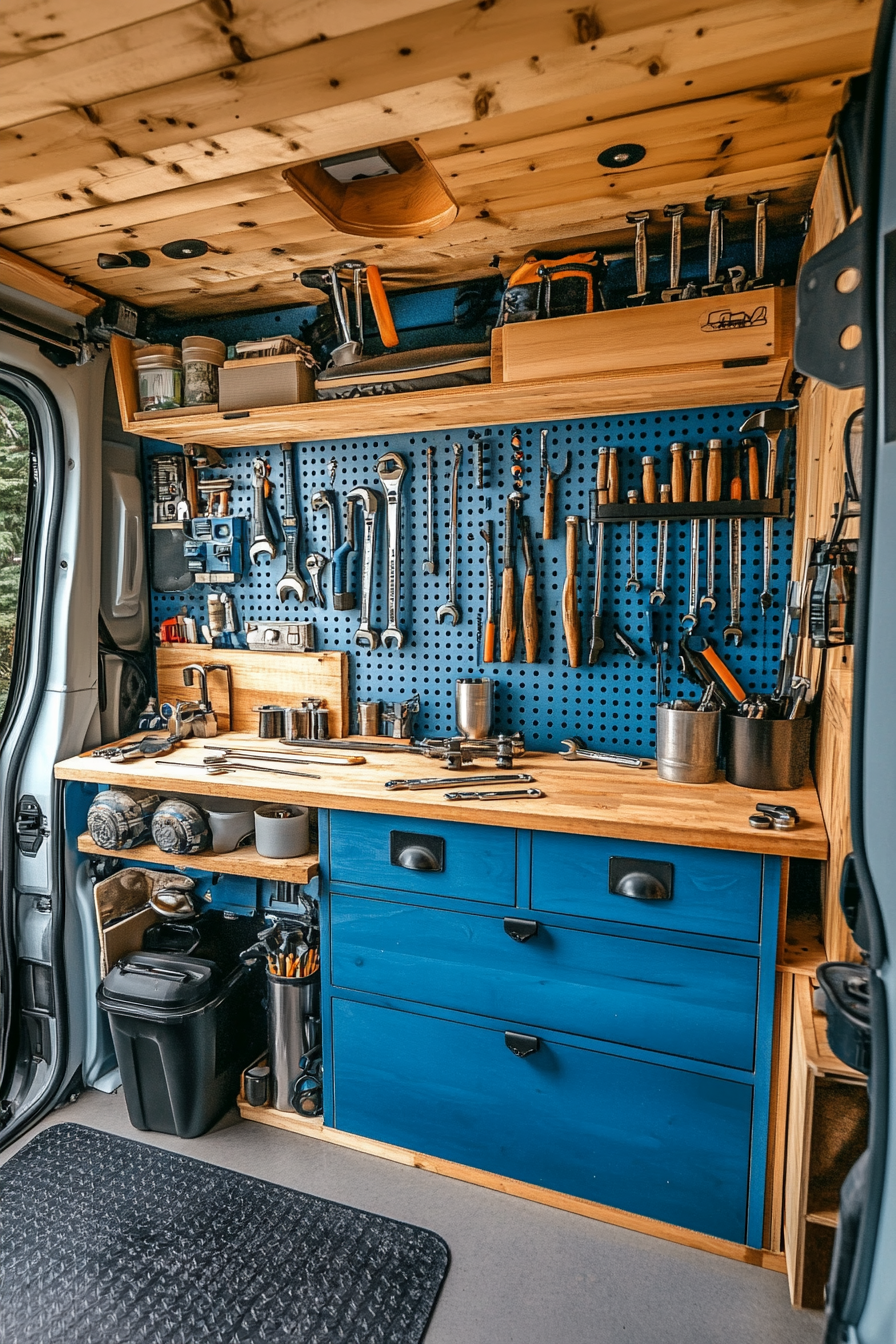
(713, 492)
(772, 423)
(369, 502)
(450, 608)
(733, 634)
(662, 549)
(263, 542)
(343, 596)
(575, 750)
(292, 581)
(430, 562)
(633, 581)
(392, 469)
(692, 615)
(315, 563)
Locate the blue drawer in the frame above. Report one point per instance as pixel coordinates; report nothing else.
(479, 861)
(654, 1140)
(677, 1000)
(714, 891)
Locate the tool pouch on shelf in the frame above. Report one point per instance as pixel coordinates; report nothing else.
(407, 371)
(551, 286)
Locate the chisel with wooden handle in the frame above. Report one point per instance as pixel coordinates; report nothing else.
(572, 624)
(381, 310)
(530, 601)
(508, 581)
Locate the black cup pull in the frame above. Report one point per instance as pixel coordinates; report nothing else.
(521, 1045)
(520, 930)
(420, 853)
(641, 879)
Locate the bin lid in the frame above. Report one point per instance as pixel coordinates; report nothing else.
(160, 980)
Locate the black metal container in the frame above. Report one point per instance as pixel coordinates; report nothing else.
(770, 754)
(846, 988)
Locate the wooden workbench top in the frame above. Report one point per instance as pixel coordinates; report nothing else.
(582, 798)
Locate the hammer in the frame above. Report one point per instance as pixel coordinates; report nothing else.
(772, 423)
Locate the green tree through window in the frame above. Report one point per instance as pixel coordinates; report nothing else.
(15, 465)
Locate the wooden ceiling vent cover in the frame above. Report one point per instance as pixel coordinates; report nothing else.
(405, 199)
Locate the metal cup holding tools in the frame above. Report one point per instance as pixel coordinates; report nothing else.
(687, 743)
(474, 707)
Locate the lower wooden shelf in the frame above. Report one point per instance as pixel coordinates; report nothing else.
(244, 862)
(586, 1208)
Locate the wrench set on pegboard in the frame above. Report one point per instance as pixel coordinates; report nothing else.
(610, 703)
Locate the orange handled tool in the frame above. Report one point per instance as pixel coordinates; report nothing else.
(572, 625)
(381, 310)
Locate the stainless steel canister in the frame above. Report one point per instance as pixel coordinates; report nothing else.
(687, 744)
(369, 718)
(296, 723)
(293, 1028)
(474, 706)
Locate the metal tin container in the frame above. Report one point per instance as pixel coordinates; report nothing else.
(293, 1029)
(766, 753)
(687, 744)
(474, 706)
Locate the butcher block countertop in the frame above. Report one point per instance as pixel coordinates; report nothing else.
(581, 797)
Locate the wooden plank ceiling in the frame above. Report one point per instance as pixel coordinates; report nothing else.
(131, 123)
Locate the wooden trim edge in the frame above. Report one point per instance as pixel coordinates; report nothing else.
(536, 1194)
(30, 277)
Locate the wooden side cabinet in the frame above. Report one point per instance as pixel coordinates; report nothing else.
(827, 1132)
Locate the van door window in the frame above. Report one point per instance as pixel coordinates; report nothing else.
(15, 474)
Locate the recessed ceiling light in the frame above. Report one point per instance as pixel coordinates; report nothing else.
(185, 248)
(118, 261)
(621, 156)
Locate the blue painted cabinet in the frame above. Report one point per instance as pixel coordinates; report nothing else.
(649, 1086)
(678, 1000)
(663, 1142)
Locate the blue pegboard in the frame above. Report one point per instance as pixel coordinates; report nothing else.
(610, 704)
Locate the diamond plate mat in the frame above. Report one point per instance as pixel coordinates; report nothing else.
(104, 1240)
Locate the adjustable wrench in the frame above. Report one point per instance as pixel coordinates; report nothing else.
(450, 608)
(577, 751)
(292, 581)
(263, 542)
(369, 502)
(392, 469)
(430, 564)
(733, 634)
(713, 492)
(343, 597)
(315, 563)
(662, 548)
(691, 616)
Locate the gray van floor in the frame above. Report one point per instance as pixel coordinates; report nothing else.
(520, 1273)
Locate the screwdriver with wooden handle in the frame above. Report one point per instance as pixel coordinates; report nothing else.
(572, 625)
(677, 451)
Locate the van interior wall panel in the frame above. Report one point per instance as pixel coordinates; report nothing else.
(820, 468)
(511, 102)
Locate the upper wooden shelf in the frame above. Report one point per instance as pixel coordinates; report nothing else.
(243, 862)
(606, 356)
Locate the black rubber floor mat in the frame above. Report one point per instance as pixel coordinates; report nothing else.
(106, 1240)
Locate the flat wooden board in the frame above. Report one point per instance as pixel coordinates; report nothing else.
(582, 798)
(243, 862)
(258, 679)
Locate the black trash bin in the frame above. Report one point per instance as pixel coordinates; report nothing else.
(183, 1032)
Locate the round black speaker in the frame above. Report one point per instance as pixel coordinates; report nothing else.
(184, 248)
(617, 156)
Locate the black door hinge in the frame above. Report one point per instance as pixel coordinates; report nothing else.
(30, 828)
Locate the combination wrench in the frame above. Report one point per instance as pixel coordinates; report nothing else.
(262, 533)
(369, 502)
(633, 581)
(450, 608)
(323, 500)
(662, 549)
(713, 493)
(692, 615)
(430, 563)
(343, 597)
(291, 581)
(392, 469)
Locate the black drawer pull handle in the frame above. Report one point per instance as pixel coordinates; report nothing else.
(641, 879)
(420, 853)
(521, 1045)
(520, 930)
(642, 887)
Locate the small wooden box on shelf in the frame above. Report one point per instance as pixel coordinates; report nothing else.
(720, 351)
